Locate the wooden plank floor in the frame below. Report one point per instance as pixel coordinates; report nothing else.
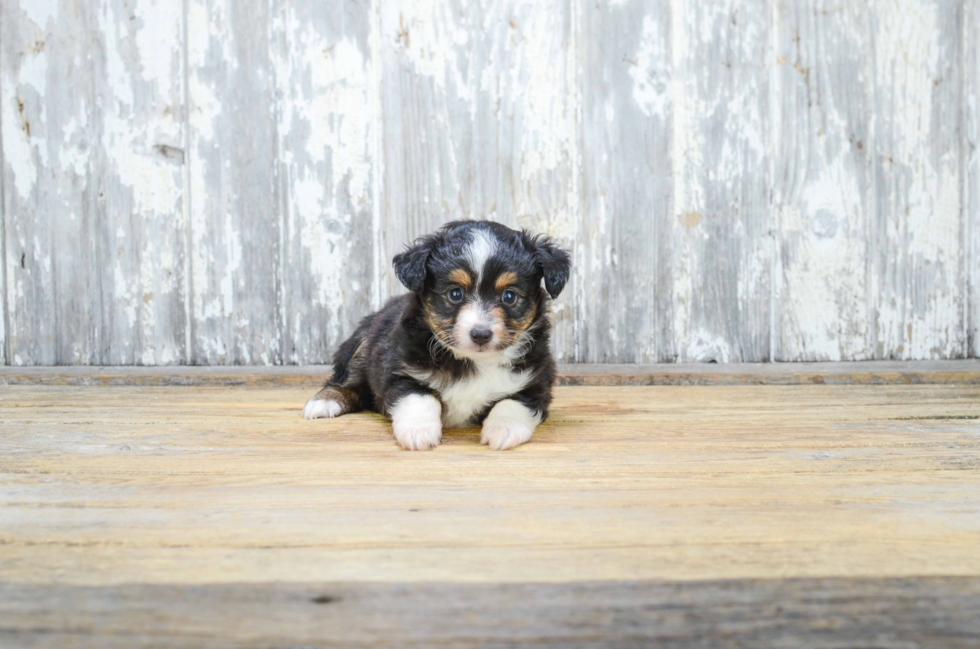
(818, 515)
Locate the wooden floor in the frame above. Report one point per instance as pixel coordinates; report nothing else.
(713, 516)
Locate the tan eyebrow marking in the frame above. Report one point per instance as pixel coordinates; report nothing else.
(505, 280)
(461, 277)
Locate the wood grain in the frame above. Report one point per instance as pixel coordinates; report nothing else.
(52, 199)
(107, 486)
(478, 115)
(729, 516)
(326, 172)
(971, 168)
(919, 284)
(722, 251)
(235, 217)
(4, 346)
(823, 181)
(92, 149)
(624, 53)
(211, 182)
(797, 613)
(141, 173)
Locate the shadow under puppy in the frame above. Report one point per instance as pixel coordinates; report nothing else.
(467, 346)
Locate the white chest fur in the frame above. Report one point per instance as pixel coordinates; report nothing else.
(464, 398)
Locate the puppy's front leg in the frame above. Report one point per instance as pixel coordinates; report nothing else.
(416, 419)
(509, 424)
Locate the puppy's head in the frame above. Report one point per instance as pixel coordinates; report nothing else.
(479, 283)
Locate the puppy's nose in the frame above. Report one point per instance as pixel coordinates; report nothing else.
(480, 335)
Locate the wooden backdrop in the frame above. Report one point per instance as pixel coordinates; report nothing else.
(226, 181)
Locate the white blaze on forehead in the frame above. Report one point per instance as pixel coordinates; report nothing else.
(481, 248)
(471, 316)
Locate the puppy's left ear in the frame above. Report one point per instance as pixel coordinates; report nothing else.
(410, 266)
(555, 264)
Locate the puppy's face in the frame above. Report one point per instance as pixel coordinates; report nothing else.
(482, 297)
(481, 282)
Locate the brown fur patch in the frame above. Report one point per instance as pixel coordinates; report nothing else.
(438, 326)
(348, 399)
(505, 280)
(461, 277)
(525, 322)
(513, 328)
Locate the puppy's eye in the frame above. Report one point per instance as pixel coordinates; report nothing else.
(456, 295)
(509, 297)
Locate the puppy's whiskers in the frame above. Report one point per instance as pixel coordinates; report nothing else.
(438, 347)
(523, 343)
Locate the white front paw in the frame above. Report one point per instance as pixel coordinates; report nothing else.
(418, 436)
(321, 409)
(509, 424)
(417, 422)
(501, 435)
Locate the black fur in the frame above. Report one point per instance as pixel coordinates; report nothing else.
(410, 266)
(371, 370)
(553, 261)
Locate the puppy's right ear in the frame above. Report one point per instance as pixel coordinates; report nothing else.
(410, 266)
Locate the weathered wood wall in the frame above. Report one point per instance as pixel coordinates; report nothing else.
(226, 181)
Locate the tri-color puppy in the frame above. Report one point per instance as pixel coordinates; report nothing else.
(467, 346)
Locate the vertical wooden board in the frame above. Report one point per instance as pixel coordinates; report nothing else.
(478, 113)
(3, 276)
(326, 172)
(3, 242)
(971, 158)
(918, 233)
(427, 114)
(625, 187)
(51, 201)
(234, 210)
(823, 180)
(92, 127)
(521, 166)
(139, 171)
(722, 246)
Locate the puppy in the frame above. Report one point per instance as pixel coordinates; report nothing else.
(467, 346)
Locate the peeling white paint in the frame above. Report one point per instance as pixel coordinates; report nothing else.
(142, 142)
(545, 111)
(718, 149)
(706, 347)
(25, 149)
(40, 11)
(233, 219)
(845, 206)
(650, 69)
(971, 179)
(821, 294)
(325, 147)
(921, 308)
(429, 44)
(118, 78)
